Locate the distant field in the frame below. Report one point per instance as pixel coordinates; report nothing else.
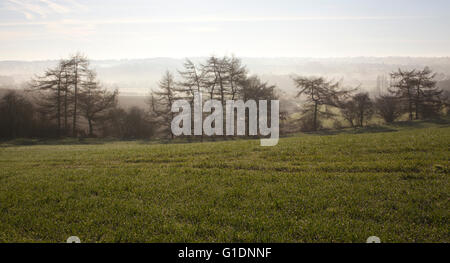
(309, 188)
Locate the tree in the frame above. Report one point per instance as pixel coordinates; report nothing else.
(79, 70)
(50, 87)
(428, 97)
(349, 111)
(71, 90)
(217, 77)
(319, 92)
(95, 100)
(134, 123)
(418, 90)
(137, 124)
(403, 88)
(253, 88)
(112, 123)
(66, 96)
(364, 107)
(162, 101)
(16, 116)
(237, 74)
(192, 80)
(388, 108)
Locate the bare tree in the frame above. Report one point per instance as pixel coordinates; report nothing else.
(192, 80)
(418, 90)
(112, 123)
(134, 123)
(220, 68)
(388, 108)
(319, 92)
(357, 109)
(163, 100)
(137, 124)
(16, 116)
(95, 100)
(50, 87)
(428, 97)
(79, 69)
(67, 95)
(403, 87)
(348, 110)
(216, 77)
(237, 74)
(364, 107)
(253, 88)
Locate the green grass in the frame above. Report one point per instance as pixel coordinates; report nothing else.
(309, 188)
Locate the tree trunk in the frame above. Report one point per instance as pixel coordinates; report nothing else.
(91, 133)
(410, 111)
(59, 105)
(65, 112)
(171, 118)
(417, 103)
(361, 118)
(410, 106)
(315, 116)
(74, 126)
(66, 89)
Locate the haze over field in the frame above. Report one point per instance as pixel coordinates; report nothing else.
(138, 76)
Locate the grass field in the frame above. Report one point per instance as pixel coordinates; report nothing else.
(392, 183)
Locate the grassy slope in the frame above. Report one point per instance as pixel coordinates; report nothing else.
(309, 188)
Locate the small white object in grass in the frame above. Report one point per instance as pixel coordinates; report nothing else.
(73, 239)
(373, 239)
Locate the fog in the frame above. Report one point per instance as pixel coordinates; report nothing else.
(136, 77)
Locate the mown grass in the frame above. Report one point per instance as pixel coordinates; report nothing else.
(308, 188)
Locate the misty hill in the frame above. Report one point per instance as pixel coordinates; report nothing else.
(138, 76)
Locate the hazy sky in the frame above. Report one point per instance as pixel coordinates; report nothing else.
(103, 29)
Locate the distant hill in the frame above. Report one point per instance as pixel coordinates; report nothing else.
(138, 76)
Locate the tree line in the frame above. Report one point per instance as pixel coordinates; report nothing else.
(216, 79)
(412, 92)
(69, 101)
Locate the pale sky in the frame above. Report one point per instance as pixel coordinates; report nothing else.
(113, 29)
